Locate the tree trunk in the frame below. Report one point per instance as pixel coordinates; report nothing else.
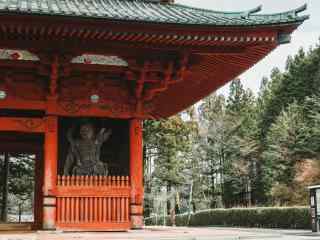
(168, 199)
(20, 212)
(4, 208)
(213, 178)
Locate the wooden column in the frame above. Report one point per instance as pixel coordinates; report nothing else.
(38, 203)
(50, 173)
(136, 174)
(4, 207)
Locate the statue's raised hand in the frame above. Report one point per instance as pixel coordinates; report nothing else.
(104, 135)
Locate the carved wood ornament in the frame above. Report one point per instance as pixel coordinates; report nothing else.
(66, 86)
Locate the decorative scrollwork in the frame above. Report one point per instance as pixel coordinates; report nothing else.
(31, 124)
(110, 108)
(70, 107)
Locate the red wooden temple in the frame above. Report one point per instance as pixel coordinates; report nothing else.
(116, 63)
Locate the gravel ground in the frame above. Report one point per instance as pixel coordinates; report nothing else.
(168, 233)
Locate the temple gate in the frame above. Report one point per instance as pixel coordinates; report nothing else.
(83, 75)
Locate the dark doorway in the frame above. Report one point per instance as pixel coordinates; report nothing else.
(21, 178)
(114, 152)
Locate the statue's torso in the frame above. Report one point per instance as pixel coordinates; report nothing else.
(87, 152)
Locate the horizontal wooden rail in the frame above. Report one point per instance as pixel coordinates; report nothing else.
(111, 181)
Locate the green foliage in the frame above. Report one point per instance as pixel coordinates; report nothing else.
(289, 217)
(20, 183)
(245, 150)
(166, 144)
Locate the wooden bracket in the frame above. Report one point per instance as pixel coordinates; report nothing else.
(140, 87)
(169, 77)
(155, 77)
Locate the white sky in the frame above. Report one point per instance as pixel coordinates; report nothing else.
(307, 35)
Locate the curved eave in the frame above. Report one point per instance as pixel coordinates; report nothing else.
(165, 27)
(154, 13)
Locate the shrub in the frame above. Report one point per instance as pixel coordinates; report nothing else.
(266, 217)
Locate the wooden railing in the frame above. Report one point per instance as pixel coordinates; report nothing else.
(110, 181)
(93, 202)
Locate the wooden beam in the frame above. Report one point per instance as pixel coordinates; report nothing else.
(20, 104)
(117, 47)
(28, 125)
(24, 147)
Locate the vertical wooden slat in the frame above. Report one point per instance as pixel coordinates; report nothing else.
(67, 208)
(63, 209)
(62, 180)
(86, 209)
(91, 212)
(122, 209)
(76, 209)
(58, 209)
(118, 209)
(100, 209)
(82, 210)
(127, 209)
(95, 209)
(86, 180)
(72, 208)
(109, 208)
(81, 181)
(89, 209)
(104, 210)
(104, 180)
(114, 209)
(119, 181)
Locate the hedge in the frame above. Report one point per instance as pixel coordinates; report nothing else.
(263, 217)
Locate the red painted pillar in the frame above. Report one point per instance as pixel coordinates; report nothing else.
(50, 172)
(38, 204)
(136, 174)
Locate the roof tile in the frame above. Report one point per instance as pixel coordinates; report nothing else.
(147, 11)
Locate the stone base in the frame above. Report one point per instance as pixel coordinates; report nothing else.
(137, 222)
(49, 213)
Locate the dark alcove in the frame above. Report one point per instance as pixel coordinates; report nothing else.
(114, 152)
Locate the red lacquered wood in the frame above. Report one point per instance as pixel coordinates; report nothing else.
(104, 209)
(86, 216)
(96, 208)
(136, 161)
(61, 207)
(28, 125)
(136, 165)
(76, 208)
(50, 169)
(109, 209)
(90, 209)
(121, 210)
(108, 226)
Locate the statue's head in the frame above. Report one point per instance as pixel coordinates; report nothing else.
(87, 131)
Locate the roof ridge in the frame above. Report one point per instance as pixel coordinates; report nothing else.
(294, 14)
(294, 11)
(254, 10)
(143, 11)
(251, 12)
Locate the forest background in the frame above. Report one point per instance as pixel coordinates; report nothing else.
(241, 150)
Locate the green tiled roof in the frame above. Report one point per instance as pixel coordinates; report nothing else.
(146, 11)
